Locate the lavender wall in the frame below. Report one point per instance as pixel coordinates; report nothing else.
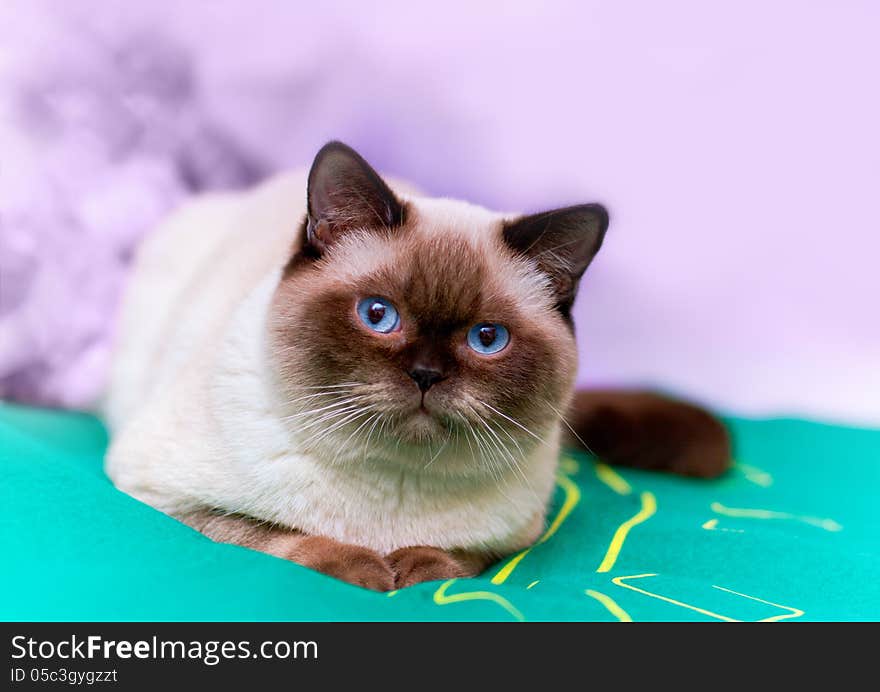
(736, 145)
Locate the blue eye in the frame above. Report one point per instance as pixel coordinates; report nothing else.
(378, 314)
(487, 338)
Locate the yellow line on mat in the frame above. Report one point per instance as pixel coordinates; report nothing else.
(612, 479)
(712, 525)
(755, 475)
(610, 604)
(795, 612)
(827, 524)
(440, 598)
(649, 507)
(572, 497)
(619, 581)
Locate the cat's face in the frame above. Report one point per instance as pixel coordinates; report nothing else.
(426, 329)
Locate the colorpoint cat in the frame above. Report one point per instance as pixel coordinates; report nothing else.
(369, 382)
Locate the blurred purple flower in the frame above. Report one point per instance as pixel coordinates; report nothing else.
(105, 139)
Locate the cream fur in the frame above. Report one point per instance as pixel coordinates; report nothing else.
(194, 410)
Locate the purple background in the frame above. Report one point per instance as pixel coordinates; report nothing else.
(736, 145)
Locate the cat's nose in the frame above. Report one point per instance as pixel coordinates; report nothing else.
(426, 377)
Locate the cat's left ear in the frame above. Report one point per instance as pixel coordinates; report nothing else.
(562, 243)
(345, 194)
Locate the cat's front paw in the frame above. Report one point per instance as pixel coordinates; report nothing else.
(422, 563)
(350, 563)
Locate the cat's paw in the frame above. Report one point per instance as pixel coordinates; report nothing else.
(350, 563)
(422, 563)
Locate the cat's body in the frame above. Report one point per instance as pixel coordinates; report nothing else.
(197, 421)
(251, 398)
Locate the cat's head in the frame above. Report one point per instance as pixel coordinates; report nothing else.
(427, 330)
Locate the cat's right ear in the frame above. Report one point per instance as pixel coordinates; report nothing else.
(345, 194)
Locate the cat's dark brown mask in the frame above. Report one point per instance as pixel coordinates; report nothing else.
(404, 322)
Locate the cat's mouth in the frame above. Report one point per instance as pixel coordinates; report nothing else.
(426, 412)
(425, 422)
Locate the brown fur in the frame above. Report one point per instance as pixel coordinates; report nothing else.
(423, 563)
(442, 285)
(350, 563)
(650, 431)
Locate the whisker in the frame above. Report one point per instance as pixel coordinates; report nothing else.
(335, 392)
(335, 404)
(499, 443)
(485, 453)
(335, 386)
(323, 433)
(358, 428)
(508, 458)
(516, 444)
(349, 416)
(330, 415)
(370, 434)
(319, 438)
(497, 465)
(468, 439)
(439, 451)
(496, 442)
(515, 422)
(478, 441)
(491, 462)
(567, 425)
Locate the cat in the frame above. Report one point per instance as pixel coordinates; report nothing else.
(371, 383)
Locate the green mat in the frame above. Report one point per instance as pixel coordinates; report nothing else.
(791, 533)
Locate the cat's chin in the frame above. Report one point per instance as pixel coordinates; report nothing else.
(422, 427)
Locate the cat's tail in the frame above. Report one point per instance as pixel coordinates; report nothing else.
(648, 431)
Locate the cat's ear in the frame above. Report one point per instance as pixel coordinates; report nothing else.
(344, 194)
(562, 243)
